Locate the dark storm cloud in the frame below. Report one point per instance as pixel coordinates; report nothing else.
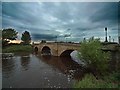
(18, 11)
(108, 13)
(50, 19)
(0, 8)
(43, 37)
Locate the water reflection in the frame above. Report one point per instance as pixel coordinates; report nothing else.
(36, 71)
(8, 66)
(25, 60)
(73, 68)
(66, 65)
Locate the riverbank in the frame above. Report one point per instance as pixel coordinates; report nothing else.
(109, 81)
(102, 64)
(17, 48)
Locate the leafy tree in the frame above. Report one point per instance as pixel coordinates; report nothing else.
(43, 41)
(91, 52)
(4, 43)
(8, 34)
(26, 37)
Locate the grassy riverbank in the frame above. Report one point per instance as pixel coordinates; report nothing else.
(98, 63)
(89, 81)
(17, 48)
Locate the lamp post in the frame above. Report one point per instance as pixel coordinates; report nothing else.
(113, 39)
(106, 34)
(57, 43)
(109, 38)
(65, 38)
(119, 39)
(56, 39)
(70, 37)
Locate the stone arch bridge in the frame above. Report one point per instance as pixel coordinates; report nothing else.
(64, 49)
(57, 49)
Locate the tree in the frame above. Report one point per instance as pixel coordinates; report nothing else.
(7, 35)
(91, 52)
(43, 41)
(26, 37)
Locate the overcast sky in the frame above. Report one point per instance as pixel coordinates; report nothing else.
(46, 20)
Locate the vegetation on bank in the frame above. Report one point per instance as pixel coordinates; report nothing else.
(17, 48)
(89, 81)
(96, 59)
(12, 34)
(26, 38)
(98, 64)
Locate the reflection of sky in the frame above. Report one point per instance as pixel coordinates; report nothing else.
(45, 20)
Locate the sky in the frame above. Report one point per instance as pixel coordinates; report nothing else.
(51, 20)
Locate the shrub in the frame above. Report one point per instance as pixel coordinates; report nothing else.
(91, 52)
(17, 48)
(113, 77)
(89, 81)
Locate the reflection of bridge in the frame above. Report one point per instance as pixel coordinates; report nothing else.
(57, 49)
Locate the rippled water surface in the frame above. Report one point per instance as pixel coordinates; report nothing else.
(34, 71)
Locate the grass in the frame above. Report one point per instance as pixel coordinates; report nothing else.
(17, 48)
(89, 81)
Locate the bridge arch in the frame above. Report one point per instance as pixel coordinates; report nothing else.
(46, 50)
(66, 53)
(57, 49)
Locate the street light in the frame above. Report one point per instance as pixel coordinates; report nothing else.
(109, 38)
(57, 44)
(67, 35)
(119, 39)
(106, 34)
(56, 38)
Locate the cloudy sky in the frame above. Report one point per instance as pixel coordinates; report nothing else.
(77, 20)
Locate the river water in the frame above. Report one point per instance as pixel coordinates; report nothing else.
(26, 70)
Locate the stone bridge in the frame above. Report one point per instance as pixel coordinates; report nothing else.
(64, 49)
(57, 49)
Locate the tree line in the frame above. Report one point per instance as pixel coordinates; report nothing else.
(12, 34)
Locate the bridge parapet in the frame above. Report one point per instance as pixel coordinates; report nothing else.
(57, 48)
(111, 47)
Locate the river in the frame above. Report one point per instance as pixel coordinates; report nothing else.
(26, 70)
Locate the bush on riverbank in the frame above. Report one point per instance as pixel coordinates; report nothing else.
(89, 81)
(97, 62)
(96, 59)
(17, 48)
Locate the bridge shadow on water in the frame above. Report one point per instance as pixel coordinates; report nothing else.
(65, 64)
